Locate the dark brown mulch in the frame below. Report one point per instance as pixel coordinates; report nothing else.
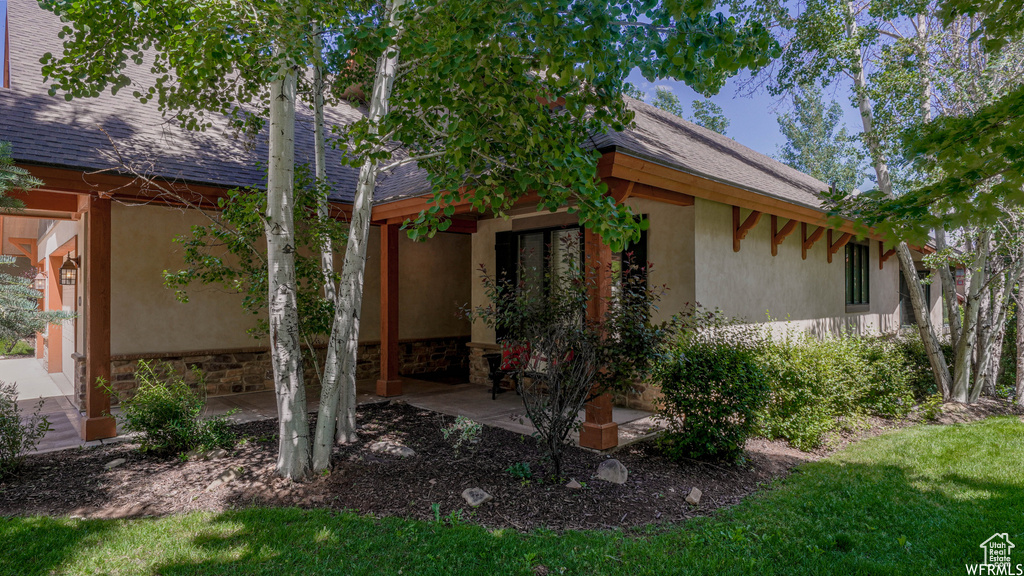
(75, 482)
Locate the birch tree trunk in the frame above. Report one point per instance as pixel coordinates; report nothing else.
(931, 343)
(285, 341)
(968, 338)
(949, 299)
(1020, 341)
(994, 354)
(350, 291)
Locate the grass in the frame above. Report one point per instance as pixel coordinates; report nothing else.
(20, 348)
(916, 501)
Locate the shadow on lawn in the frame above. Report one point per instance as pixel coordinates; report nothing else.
(42, 545)
(833, 517)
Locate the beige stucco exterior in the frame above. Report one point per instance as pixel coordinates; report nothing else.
(148, 319)
(691, 250)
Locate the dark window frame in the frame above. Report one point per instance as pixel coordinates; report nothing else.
(858, 277)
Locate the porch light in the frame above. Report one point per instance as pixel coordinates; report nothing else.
(69, 272)
(39, 282)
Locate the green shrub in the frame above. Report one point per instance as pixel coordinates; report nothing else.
(17, 437)
(828, 385)
(166, 413)
(712, 389)
(915, 358)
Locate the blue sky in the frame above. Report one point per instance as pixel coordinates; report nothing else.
(752, 120)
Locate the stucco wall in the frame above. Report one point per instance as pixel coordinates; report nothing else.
(804, 294)
(670, 250)
(147, 319)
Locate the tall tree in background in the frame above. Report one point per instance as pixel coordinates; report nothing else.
(13, 178)
(705, 112)
(817, 142)
(709, 115)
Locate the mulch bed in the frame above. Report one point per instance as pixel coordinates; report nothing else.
(75, 482)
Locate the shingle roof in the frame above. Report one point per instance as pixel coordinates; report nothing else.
(674, 142)
(51, 131)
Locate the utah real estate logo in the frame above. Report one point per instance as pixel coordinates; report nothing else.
(997, 558)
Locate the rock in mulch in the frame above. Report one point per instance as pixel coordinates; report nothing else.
(225, 477)
(114, 463)
(475, 496)
(574, 485)
(392, 449)
(613, 471)
(694, 496)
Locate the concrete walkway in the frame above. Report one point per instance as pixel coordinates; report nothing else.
(32, 379)
(469, 400)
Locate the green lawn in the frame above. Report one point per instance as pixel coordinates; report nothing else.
(917, 501)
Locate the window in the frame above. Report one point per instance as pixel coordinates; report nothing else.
(857, 278)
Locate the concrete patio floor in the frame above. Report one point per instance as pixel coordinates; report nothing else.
(469, 400)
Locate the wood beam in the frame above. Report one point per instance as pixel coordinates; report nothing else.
(26, 246)
(389, 383)
(98, 422)
(884, 254)
(836, 246)
(807, 242)
(779, 235)
(599, 431)
(54, 332)
(48, 201)
(740, 229)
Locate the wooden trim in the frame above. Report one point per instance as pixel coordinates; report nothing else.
(27, 246)
(620, 189)
(739, 230)
(544, 221)
(834, 247)
(624, 166)
(778, 236)
(104, 184)
(98, 423)
(389, 295)
(807, 242)
(884, 255)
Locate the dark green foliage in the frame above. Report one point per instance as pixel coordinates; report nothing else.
(713, 387)
(20, 315)
(167, 413)
(818, 144)
(12, 178)
(915, 358)
(824, 386)
(520, 471)
(17, 436)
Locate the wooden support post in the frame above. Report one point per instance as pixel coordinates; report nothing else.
(599, 431)
(739, 230)
(98, 422)
(779, 235)
(389, 383)
(808, 241)
(838, 244)
(54, 332)
(884, 254)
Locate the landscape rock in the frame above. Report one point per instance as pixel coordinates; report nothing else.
(574, 485)
(475, 496)
(114, 463)
(613, 471)
(694, 496)
(214, 454)
(392, 449)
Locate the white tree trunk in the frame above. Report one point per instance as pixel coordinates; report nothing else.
(949, 299)
(968, 338)
(350, 291)
(285, 341)
(931, 342)
(1020, 341)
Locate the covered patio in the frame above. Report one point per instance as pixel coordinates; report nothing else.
(462, 399)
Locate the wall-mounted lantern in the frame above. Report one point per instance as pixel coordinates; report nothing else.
(69, 272)
(39, 281)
